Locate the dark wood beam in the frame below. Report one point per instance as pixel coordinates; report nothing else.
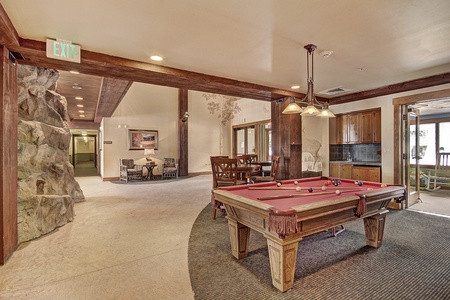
(394, 88)
(112, 92)
(83, 125)
(183, 136)
(8, 34)
(99, 64)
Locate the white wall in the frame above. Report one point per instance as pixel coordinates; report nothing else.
(251, 111)
(208, 136)
(144, 106)
(387, 124)
(315, 132)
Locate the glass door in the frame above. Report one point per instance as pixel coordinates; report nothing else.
(413, 151)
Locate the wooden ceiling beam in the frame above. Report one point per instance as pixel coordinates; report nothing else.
(8, 34)
(112, 92)
(129, 70)
(394, 88)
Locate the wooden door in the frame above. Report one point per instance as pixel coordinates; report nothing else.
(376, 121)
(341, 129)
(346, 171)
(335, 170)
(353, 128)
(366, 126)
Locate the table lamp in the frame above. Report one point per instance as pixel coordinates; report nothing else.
(147, 153)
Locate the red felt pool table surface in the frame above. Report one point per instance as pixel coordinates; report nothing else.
(288, 189)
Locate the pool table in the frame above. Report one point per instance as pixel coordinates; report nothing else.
(286, 211)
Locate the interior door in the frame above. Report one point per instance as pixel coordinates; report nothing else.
(411, 153)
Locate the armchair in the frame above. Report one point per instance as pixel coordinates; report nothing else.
(169, 168)
(130, 171)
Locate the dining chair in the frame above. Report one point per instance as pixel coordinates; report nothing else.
(224, 174)
(273, 172)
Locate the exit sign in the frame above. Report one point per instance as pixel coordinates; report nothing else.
(63, 50)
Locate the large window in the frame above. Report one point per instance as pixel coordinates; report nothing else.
(433, 138)
(252, 138)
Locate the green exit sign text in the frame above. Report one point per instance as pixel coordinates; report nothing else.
(63, 50)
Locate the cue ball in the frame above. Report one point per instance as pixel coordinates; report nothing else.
(356, 181)
(296, 182)
(360, 183)
(310, 190)
(324, 188)
(338, 192)
(298, 189)
(278, 183)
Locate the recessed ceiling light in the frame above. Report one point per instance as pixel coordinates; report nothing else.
(82, 116)
(81, 111)
(295, 87)
(76, 86)
(79, 98)
(80, 105)
(74, 72)
(156, 58)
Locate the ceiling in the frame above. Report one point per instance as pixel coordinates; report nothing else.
(374, 44)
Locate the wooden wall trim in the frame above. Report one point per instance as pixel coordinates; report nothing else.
(8, 153)
(8, 34)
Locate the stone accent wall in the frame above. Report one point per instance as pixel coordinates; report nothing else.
(47, 188)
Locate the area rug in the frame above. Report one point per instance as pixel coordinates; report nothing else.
(412, 263)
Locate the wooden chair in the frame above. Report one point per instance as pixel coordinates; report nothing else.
(169, 168)
(129, 170)
(224, 174)
(440, 176)
(247, 160)
(273, 172)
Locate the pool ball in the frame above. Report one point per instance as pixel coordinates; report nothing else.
(336, 183)
(369, 189)
(360, 183)
(296, 182)
(310, 190)
(383, 185)
(298, 189)
(278, 183)
(356, 181)
(338, 192)
(339, 182)
(324, 188)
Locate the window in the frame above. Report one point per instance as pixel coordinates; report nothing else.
(252, 139)
(433, 138)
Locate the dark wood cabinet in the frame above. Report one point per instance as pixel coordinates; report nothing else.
(348, 171)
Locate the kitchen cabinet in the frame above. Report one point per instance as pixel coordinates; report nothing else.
(372, 174)
(356, 128)
(349, 171)
(341, 170)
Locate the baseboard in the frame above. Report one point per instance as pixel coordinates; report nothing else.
(110, 178)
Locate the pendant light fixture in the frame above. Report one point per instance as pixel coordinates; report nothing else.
(309, 100)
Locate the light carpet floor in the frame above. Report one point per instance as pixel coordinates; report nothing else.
(126, 242)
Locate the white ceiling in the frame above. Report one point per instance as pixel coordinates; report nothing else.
(374, 43)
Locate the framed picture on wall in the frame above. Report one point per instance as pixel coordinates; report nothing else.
(142, 139)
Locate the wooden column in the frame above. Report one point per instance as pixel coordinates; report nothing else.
(8, 152)
(287, 141)
(183, 132)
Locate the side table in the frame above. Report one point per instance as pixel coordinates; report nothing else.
(149, 168)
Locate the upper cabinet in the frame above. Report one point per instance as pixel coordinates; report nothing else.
(356, 128)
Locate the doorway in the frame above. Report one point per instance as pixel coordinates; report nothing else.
(83, 154)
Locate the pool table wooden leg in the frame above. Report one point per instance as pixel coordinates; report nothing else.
(283, 257)
(374, 227)
(239, 236)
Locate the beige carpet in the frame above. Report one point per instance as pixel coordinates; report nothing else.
(127, 242)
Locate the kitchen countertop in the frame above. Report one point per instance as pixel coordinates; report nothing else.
(358, 163)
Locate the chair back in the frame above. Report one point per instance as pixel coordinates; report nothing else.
(223, 171)
(275, 167)
(246, 159)
(127, 162)
(169, 162)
